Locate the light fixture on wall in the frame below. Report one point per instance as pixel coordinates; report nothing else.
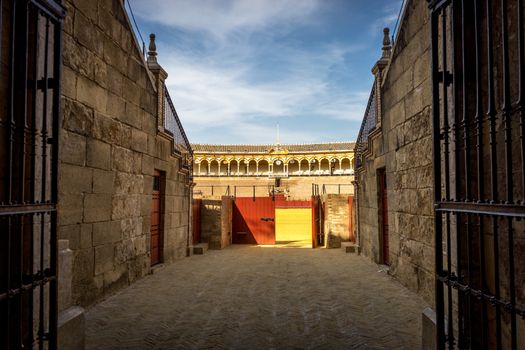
(278, 162)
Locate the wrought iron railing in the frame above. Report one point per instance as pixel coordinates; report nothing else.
(368, 124)
(173, 127)
(478, 114)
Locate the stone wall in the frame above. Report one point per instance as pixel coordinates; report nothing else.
(297, 187)
(402, 146)
(216, 221)
(336, 220)
(110, 148)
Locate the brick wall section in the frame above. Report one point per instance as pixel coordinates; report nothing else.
(110, 148)
(336, 219)
(404, 149)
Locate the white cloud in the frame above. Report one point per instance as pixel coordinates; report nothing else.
(217, 85)
(222, 17)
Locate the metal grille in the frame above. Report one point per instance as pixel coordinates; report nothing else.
(173, 126)
(478, 74)
(30, 58)
(368, 124)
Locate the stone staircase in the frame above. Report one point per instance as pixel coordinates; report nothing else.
(200, 248)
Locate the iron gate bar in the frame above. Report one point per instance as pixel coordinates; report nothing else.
(499, 210)
(52, 8)
(440, 321)
(26, 209)
(479, 121)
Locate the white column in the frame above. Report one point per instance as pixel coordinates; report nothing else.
(238, 167)
(199, 168)
(209, 167)
(228, 170)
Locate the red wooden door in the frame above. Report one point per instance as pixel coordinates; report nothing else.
(384, 217)
(253, 221)
(197, 221)
(155, 220)
(351, 234)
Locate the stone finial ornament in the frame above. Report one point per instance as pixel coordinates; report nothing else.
(152, 49)
(387, 44)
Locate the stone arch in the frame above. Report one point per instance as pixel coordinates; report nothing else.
(324, 166)
(278, 165)
(293, 166)
(214, 167)
(203, 165)
(252, 166)
(346, 165)
(233, 164)
(264, 167)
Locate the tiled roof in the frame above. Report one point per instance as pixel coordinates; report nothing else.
(292, 148)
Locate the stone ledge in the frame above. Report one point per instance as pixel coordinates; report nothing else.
(71, 329)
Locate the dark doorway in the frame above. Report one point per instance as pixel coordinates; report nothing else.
(384, 257)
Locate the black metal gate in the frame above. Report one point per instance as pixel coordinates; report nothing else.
(478, 73)
(30, 61)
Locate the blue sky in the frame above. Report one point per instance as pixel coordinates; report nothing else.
(237, 68)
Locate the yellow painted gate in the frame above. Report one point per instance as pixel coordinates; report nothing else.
(293, 224)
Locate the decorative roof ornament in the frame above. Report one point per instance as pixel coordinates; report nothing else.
(152, 50)
(387, 44)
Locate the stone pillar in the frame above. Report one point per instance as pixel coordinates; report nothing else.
(256, 168)
(160, 77)
(378, 69)
(71, 319)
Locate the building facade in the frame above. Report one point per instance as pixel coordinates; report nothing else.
(95, 177)
(440, 164)
(291, 169)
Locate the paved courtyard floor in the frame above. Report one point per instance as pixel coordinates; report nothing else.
(249, 297)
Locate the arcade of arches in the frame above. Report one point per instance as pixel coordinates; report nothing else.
(274, 161)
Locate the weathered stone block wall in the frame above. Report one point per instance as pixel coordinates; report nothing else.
(110, 149)
(226, 221)
(404, 148)
(336, 219)
(216, 222)
(211, 222)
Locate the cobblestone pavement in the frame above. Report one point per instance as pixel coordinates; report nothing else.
(248, 297)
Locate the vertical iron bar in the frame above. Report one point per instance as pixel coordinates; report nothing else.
(508, 163)
(491, 114)
(440, 320)
(32, 181)
(456, 126)
(521, 93)
(23, 128)
(466, 141)
(10, 164)
(445, 133)
(479, 133)
(53, 287)
(43, 182)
